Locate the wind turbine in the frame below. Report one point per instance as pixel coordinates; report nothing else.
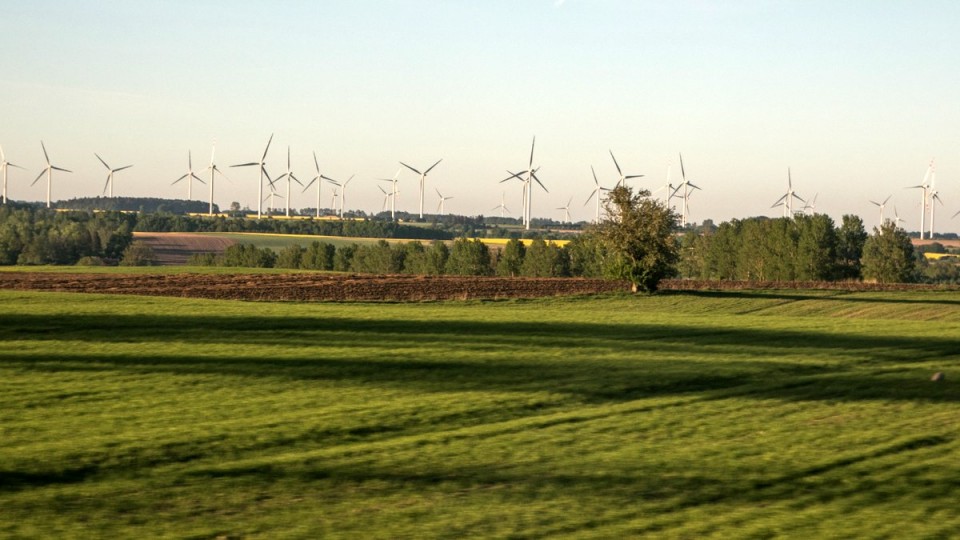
(290, 177)
(49, 171)
(3, 165)
(924, 188)
(881, 206)
(189, 176)
(334, 196)
(934, 199)
(214, 171)
(343, 194)
(623, 178)
(566, 210)
(669, 187)
(393, 193)
(787, 199)
(812, 205)
(273, 193)
(423, 178)
(263, 172)
(318, 179)
(896, 217)
(110, 174)
(527, 177)
(597, 191)
(502, 206)
(687, 186)
(386, 198)
(442, 200)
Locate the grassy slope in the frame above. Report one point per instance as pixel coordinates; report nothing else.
(691, 415)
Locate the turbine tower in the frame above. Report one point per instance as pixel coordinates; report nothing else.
(597, 191)
(787, 199)
(924, 188)
(190, 176)
(423, 178)
(290, 177)
(442, 200)
(110, 174)
(502, 206)
(393, 193)
(527, 177)
(4, 164)
(881, 206)
(263, 172)
(687, 187)
(343, 194)
(318, 179)
(49, 172)
(566, 210)
(214, 171)
(623, 178)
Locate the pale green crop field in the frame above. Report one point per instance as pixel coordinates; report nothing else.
(686, 415)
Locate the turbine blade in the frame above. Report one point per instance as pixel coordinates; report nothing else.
(315, 162)
(102, 161)
(245, 164)
(432, 166)
(60, 169)
(595, 181)
(45, 156)
(267, 149)
(534, 143)
(179, 179)
(411, 168)
(683, 173)
(634, 176)
(122, 168)
(617, 165)
(39, 176)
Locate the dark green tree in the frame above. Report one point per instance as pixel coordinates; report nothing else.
(638, 236)
(851, 237)
(469, 258)
(888, 256)
(511, 258)
(544, 259)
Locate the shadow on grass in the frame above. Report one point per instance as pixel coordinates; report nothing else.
(825, 294)
(364, 352)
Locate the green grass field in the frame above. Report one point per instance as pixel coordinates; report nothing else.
(278, 242)
(734, 414)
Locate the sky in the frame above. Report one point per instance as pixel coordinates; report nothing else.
(854, 97)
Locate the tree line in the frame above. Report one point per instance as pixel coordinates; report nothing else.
(30, 235)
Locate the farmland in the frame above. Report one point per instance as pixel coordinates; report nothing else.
(684, 414)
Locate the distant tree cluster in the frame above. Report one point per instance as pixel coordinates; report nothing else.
(136, 204)
(32, 235)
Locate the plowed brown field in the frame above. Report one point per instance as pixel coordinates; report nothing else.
(176, 248)
(346, 287)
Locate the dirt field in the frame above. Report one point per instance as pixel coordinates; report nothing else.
(345, 288)
(176, 248)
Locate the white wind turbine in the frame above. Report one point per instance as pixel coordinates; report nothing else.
(597, 192)
(334, 196)
(669, 187)
(393, 193)
(623, 178)
(812, 205)
(924, 188)
(896, 217)
(214, 171)
(787, 199)
(263, 172)
(190, 176)
(318, 179)
(110, 174)
(687, 187)
(270, 197)
(442, 200)
(48, 171)
(290, 178)
(934, 199)
(386, 198)
(881, 206)
(343, 194)
(502, 207)
(527, 177)
(423, 179)
(3, 165)
(566, 210)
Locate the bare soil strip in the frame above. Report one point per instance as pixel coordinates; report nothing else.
(352, 287)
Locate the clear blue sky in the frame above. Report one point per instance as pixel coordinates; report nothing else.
(855, 97)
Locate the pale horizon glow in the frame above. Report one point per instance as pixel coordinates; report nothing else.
(855, 98)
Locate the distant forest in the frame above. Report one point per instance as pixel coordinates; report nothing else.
(136, 204)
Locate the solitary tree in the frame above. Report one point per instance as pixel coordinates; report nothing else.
(638, 236)
(888, 255)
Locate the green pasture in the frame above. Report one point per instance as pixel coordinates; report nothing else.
(686, 415)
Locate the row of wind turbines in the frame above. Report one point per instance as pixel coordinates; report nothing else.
(528, 177)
